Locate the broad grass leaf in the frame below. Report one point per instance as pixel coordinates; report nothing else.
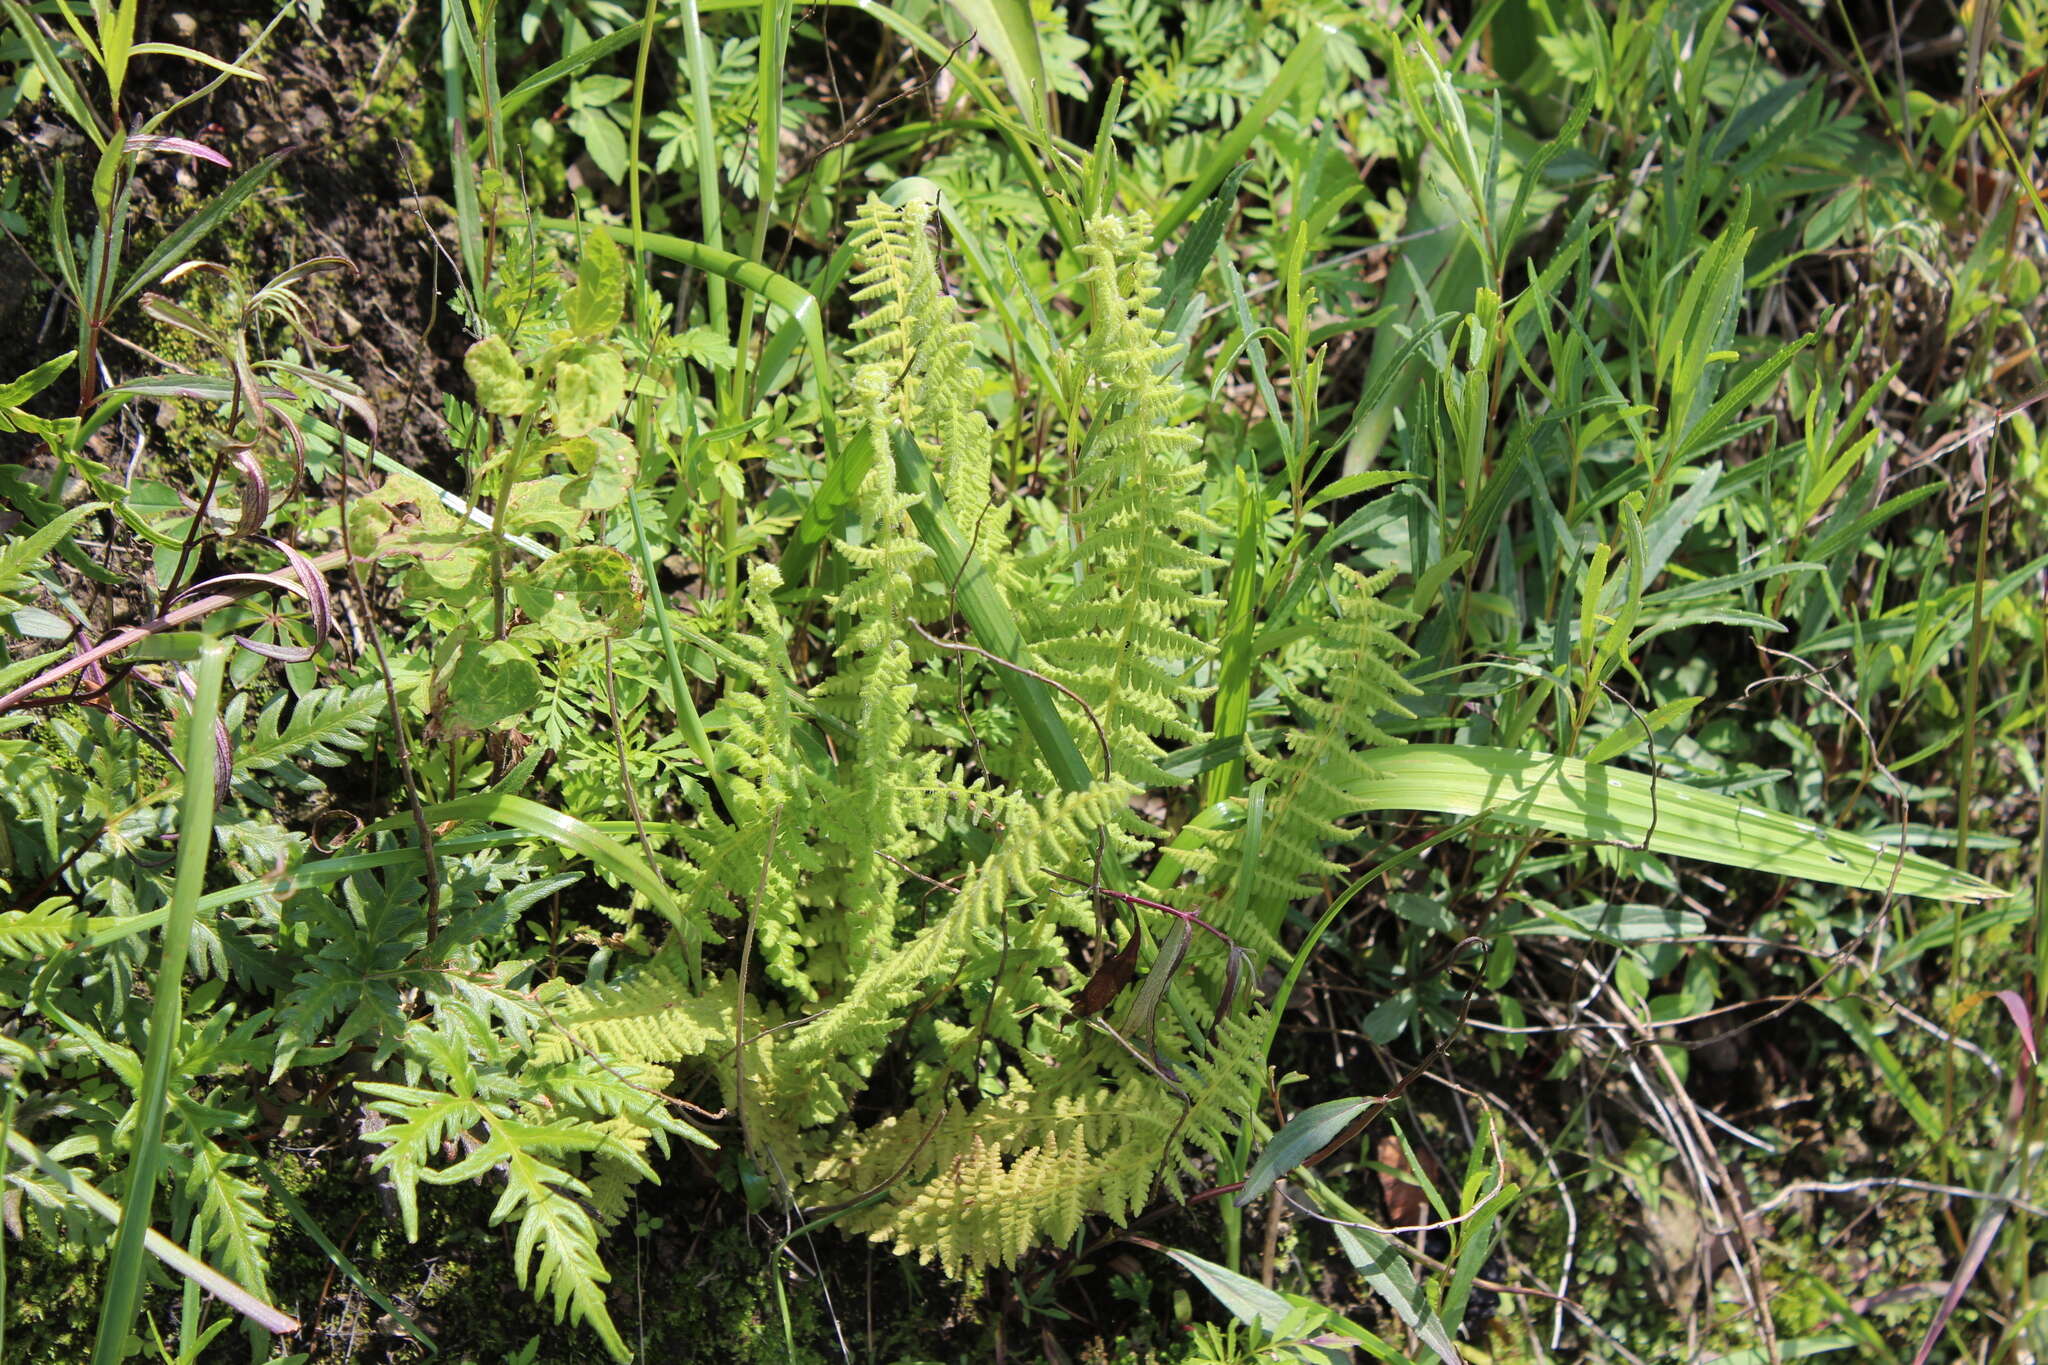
(1579, 800)
(1248, 1300)
(1300, 1138)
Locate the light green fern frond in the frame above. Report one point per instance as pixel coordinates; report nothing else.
(644, 1014)
(825, 1060)
(922, 351)
(868, 812)
(1306, 785)
(41, 931)
(1122, 641)
(982, 1186)
(761, 859)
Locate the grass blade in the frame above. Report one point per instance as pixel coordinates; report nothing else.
(1306, 60)
(1568, 797)
(1382, 1267)
(1006, 31)
(572, 834)
(195, 839)
(516, 98)
(189, 233)
(55, 74)
(339, 1259)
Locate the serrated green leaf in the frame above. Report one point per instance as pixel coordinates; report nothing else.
(46, 929)
(582, 594)
(599, 298)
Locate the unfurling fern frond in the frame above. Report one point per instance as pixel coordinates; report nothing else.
(918, 369)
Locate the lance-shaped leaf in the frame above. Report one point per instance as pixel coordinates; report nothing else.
(1579, 800)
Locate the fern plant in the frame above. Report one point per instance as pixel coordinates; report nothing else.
(904, 905)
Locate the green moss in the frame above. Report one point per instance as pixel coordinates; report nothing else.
(52, 1303)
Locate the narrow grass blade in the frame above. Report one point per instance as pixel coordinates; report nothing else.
(195, 840)
(516, 98)
(1577, 800)
(1240, 625)
(1849, 1016)
(337, 1257)
(193, 230)
(458, 43)
(829, 503)
(684, 705)
(1306, 60)
(55, 74)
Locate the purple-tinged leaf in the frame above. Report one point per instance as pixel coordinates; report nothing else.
(2017, 1008)
(182, 146)
(255, 492)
